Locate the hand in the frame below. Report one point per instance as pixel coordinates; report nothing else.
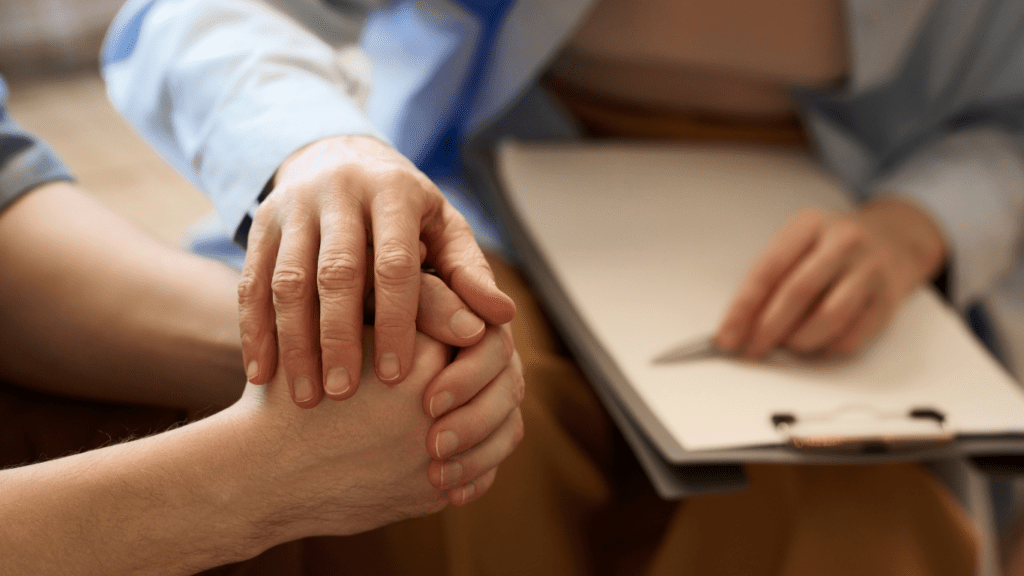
(303, 278)
(830, 282)
(486, 383)
(343, 467)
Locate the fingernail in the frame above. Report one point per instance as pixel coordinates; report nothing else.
(441, 403)
(387, 366)
(303, 389)
(337, 381)
(450, 473)
(252, 370)
(464, 324)
(446, 443)
(467, 492)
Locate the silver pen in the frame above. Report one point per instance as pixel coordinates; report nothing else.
(701, 348)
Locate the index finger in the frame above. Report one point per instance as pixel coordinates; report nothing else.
(795, 240)
(462, 265)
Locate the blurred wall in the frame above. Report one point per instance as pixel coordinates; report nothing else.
(44, 37)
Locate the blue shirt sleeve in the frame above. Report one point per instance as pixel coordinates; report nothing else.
(25, 160)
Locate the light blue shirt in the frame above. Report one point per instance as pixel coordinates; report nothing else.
(933, 109)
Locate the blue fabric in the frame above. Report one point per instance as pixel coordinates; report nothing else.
(121, 43)
(444, 158)
(443, 163)
(25, 160)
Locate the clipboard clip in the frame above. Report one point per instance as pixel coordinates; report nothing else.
(865, 430)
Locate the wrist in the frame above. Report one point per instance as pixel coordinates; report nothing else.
(916, 240)
(317, 156)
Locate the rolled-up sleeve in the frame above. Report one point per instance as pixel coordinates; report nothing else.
(226, 90)
(25, 160)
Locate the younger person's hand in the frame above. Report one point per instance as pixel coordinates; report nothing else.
(831, 281)
(342, 467)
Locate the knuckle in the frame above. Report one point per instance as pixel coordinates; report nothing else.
(339, 273)
(251, 338)
(338, 340)
(850, 235)
(293, 354)
(267, 212)
(290, 284)
(395, 265)
(250, 291)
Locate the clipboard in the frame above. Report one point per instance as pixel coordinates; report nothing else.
(635, 247)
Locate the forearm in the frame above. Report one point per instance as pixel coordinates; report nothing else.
(174, 503)
(92, 307)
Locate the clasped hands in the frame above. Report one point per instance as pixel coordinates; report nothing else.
(306, 276)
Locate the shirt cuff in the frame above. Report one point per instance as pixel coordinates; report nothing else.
(972, 185)
(252, 137)
(25, 163)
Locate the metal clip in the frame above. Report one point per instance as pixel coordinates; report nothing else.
(865, 430)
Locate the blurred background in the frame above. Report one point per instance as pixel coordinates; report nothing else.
(49, 56)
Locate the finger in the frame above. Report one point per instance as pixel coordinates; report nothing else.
(792, 244)
(462, 265)
(294, 290)
(476, 461)
(863, 327)
(802, 289)
(836, 311)
(470, 424)
(256, 319)
(341, 279)
(462, 495)
(396, 267)
(443, 315)
(474, 367)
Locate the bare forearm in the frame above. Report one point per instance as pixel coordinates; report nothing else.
(92, 307)
(175, 503)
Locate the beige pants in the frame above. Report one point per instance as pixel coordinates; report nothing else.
(572, 500)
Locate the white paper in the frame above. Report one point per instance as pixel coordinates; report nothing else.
(649, 243)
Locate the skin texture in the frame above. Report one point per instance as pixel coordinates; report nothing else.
(829, 282)
(259, 473)
(304, 273)
(91, 307)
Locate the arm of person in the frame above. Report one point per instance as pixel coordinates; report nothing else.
(95, 308)
(207, 494)
(237, 95)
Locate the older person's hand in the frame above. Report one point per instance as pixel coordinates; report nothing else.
(303, 281)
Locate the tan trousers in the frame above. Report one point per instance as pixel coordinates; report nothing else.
(572, 501)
